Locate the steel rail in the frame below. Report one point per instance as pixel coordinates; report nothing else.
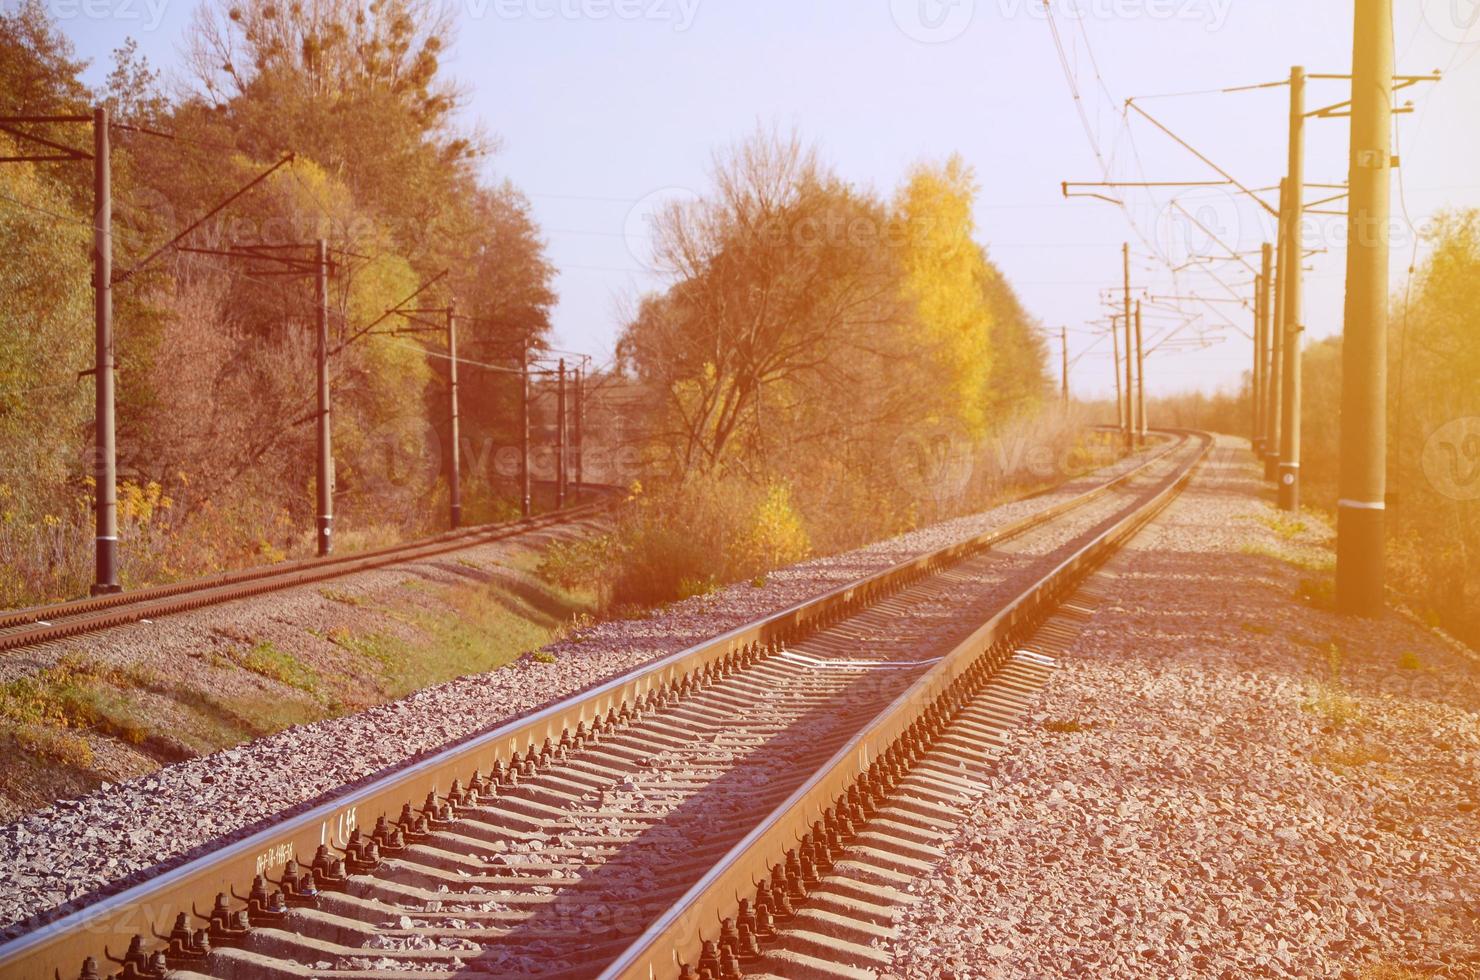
(677, 937)
(42, 624)
(146, 905)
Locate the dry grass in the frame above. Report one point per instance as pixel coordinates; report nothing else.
(266, 660)
(1331, 700)
(49, 712)
(1288, 528)
(52, 722)
(1311, 561)
(1352, 755)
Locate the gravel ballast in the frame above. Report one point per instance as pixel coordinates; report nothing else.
(1224, 779)
(71, 849)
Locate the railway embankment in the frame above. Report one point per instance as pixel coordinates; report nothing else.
(85, 712)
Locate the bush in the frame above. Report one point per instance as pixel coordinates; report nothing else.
(684, 541)
(578, 563)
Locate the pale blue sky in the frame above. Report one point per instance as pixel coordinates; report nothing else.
(604, 106)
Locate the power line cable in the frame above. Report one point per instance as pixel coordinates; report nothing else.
(51, 214)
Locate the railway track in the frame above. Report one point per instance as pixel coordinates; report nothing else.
(729, 809)
(44, 624)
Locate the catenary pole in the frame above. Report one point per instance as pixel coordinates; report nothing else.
(1115, 369)
(560, 439)
(1266, 423)
(454, 476)
(1130, 391)
(105, 460)
(325, 469)
(1277, 345)
(1294, 207)
(580, 438)
(1261, 312)
(1257, 369)
(1362, 491)
(1140, 381)
(525, 504)
(1064, 359)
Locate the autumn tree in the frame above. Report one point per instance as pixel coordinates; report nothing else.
(780, 293)
(216, 360)
(1433, 388)
(945, 278)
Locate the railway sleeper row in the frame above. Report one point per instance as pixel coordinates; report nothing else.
(826, 912)
(515, 802)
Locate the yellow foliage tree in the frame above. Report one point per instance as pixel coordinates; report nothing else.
(944, 276)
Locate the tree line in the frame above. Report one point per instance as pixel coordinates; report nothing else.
(216, 355)
(1433, 451)
(825, 365)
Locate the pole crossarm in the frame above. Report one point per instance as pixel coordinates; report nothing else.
(173, 242)
(1099, 197)
(1255, 87)
(1207, 301)
(391, 312)
(1232, 253)
(1310, 206)
(1131, 104)
(1343, 108)
(426, 327)
(1203, 299)
(288, 265)
(1242, 301)
(66, 152)
(414, 316)
(1066, 184)
(47, 119)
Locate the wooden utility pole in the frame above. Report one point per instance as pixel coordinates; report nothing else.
(1293, 204)
(454, 475)
(325, 469)
(105, 462)
(1130, 391)
(1360, 524)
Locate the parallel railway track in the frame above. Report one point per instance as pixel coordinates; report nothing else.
(617, 833)
(44, 624)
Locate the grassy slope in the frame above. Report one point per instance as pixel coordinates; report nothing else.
(70, 727)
